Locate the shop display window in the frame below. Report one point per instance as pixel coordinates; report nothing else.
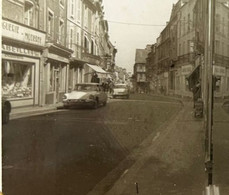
(17, 80)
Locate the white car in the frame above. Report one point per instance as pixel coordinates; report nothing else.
(85, 94)
(121, 90)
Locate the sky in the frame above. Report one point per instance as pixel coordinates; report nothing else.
(127, 38)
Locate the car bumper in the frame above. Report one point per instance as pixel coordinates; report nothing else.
(120, 94)
(74, 103)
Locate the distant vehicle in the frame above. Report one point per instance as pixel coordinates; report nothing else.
(86, 94)
(121, 90)
(6, 109)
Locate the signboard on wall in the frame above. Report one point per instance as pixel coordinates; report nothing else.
(20, 50)
(22, 33)
(219, 71)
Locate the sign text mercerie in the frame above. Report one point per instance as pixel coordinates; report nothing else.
(22, 33)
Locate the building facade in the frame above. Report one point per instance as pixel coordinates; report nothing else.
(23, 42)
(180, 49)
(141, 84)
(49, 46)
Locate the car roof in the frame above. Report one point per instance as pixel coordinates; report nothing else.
(120, 84)
(93, 84)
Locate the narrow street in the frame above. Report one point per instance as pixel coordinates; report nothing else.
(70, 151)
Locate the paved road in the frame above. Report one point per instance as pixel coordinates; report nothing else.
(69, 152)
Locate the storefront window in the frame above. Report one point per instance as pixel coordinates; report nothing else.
(17, 80)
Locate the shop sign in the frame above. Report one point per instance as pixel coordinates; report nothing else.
(185, 70)
(20, 50)
(219, 71)
(57, 57)
(22, 33)
(10, 56)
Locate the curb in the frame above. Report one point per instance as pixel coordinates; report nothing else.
(33, 112)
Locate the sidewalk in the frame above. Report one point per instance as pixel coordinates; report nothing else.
(169, 161)
(33, 111)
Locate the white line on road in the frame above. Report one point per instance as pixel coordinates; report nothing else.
(157, 136)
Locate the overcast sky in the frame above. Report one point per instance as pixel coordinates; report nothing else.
(126, 38)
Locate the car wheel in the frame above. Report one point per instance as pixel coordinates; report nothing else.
(66, 107)
(5, 116)
(96, 104)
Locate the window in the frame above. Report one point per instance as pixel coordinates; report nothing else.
(217, 46)
(223, 49)
(17, 79)
(85, 16)
(50, 24)
(78, 45)
(92, 47)
(184, 25)
(79, 10)
(184, 48)
(223, 26)
(29, 14)
(86, 45)
(71, 38)
(227, 83)
(62, 3)
(217, 26)
(72, 8)
(189, 23)
(61, 31)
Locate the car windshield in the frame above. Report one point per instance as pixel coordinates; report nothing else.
(120, 86)
(86, 88)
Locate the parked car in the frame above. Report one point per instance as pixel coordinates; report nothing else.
(85, 94)
(121, 90)
(6, 109)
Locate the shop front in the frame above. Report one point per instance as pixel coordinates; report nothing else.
(76, 73)
(90, 70)
(55, 74)
(21, 60)
(221, 82)
(184, 85)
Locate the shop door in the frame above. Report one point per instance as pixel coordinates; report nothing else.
(57, 85)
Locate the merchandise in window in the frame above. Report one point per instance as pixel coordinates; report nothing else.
(17, 80)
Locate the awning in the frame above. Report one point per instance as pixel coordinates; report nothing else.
(97, 69)
(193, 77)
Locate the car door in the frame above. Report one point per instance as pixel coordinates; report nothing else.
(102, 94)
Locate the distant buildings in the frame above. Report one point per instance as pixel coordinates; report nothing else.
(180, 47)
(49, 46)
(140, 81)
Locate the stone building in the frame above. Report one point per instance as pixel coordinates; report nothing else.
(180, 49)
(49, 46)
(141, 84)
(23, 42)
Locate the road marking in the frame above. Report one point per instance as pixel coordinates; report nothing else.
(124, 173)
(157, 136)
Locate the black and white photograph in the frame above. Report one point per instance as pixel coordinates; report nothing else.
(114, 97)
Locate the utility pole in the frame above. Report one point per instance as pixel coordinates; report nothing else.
(209, 12)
